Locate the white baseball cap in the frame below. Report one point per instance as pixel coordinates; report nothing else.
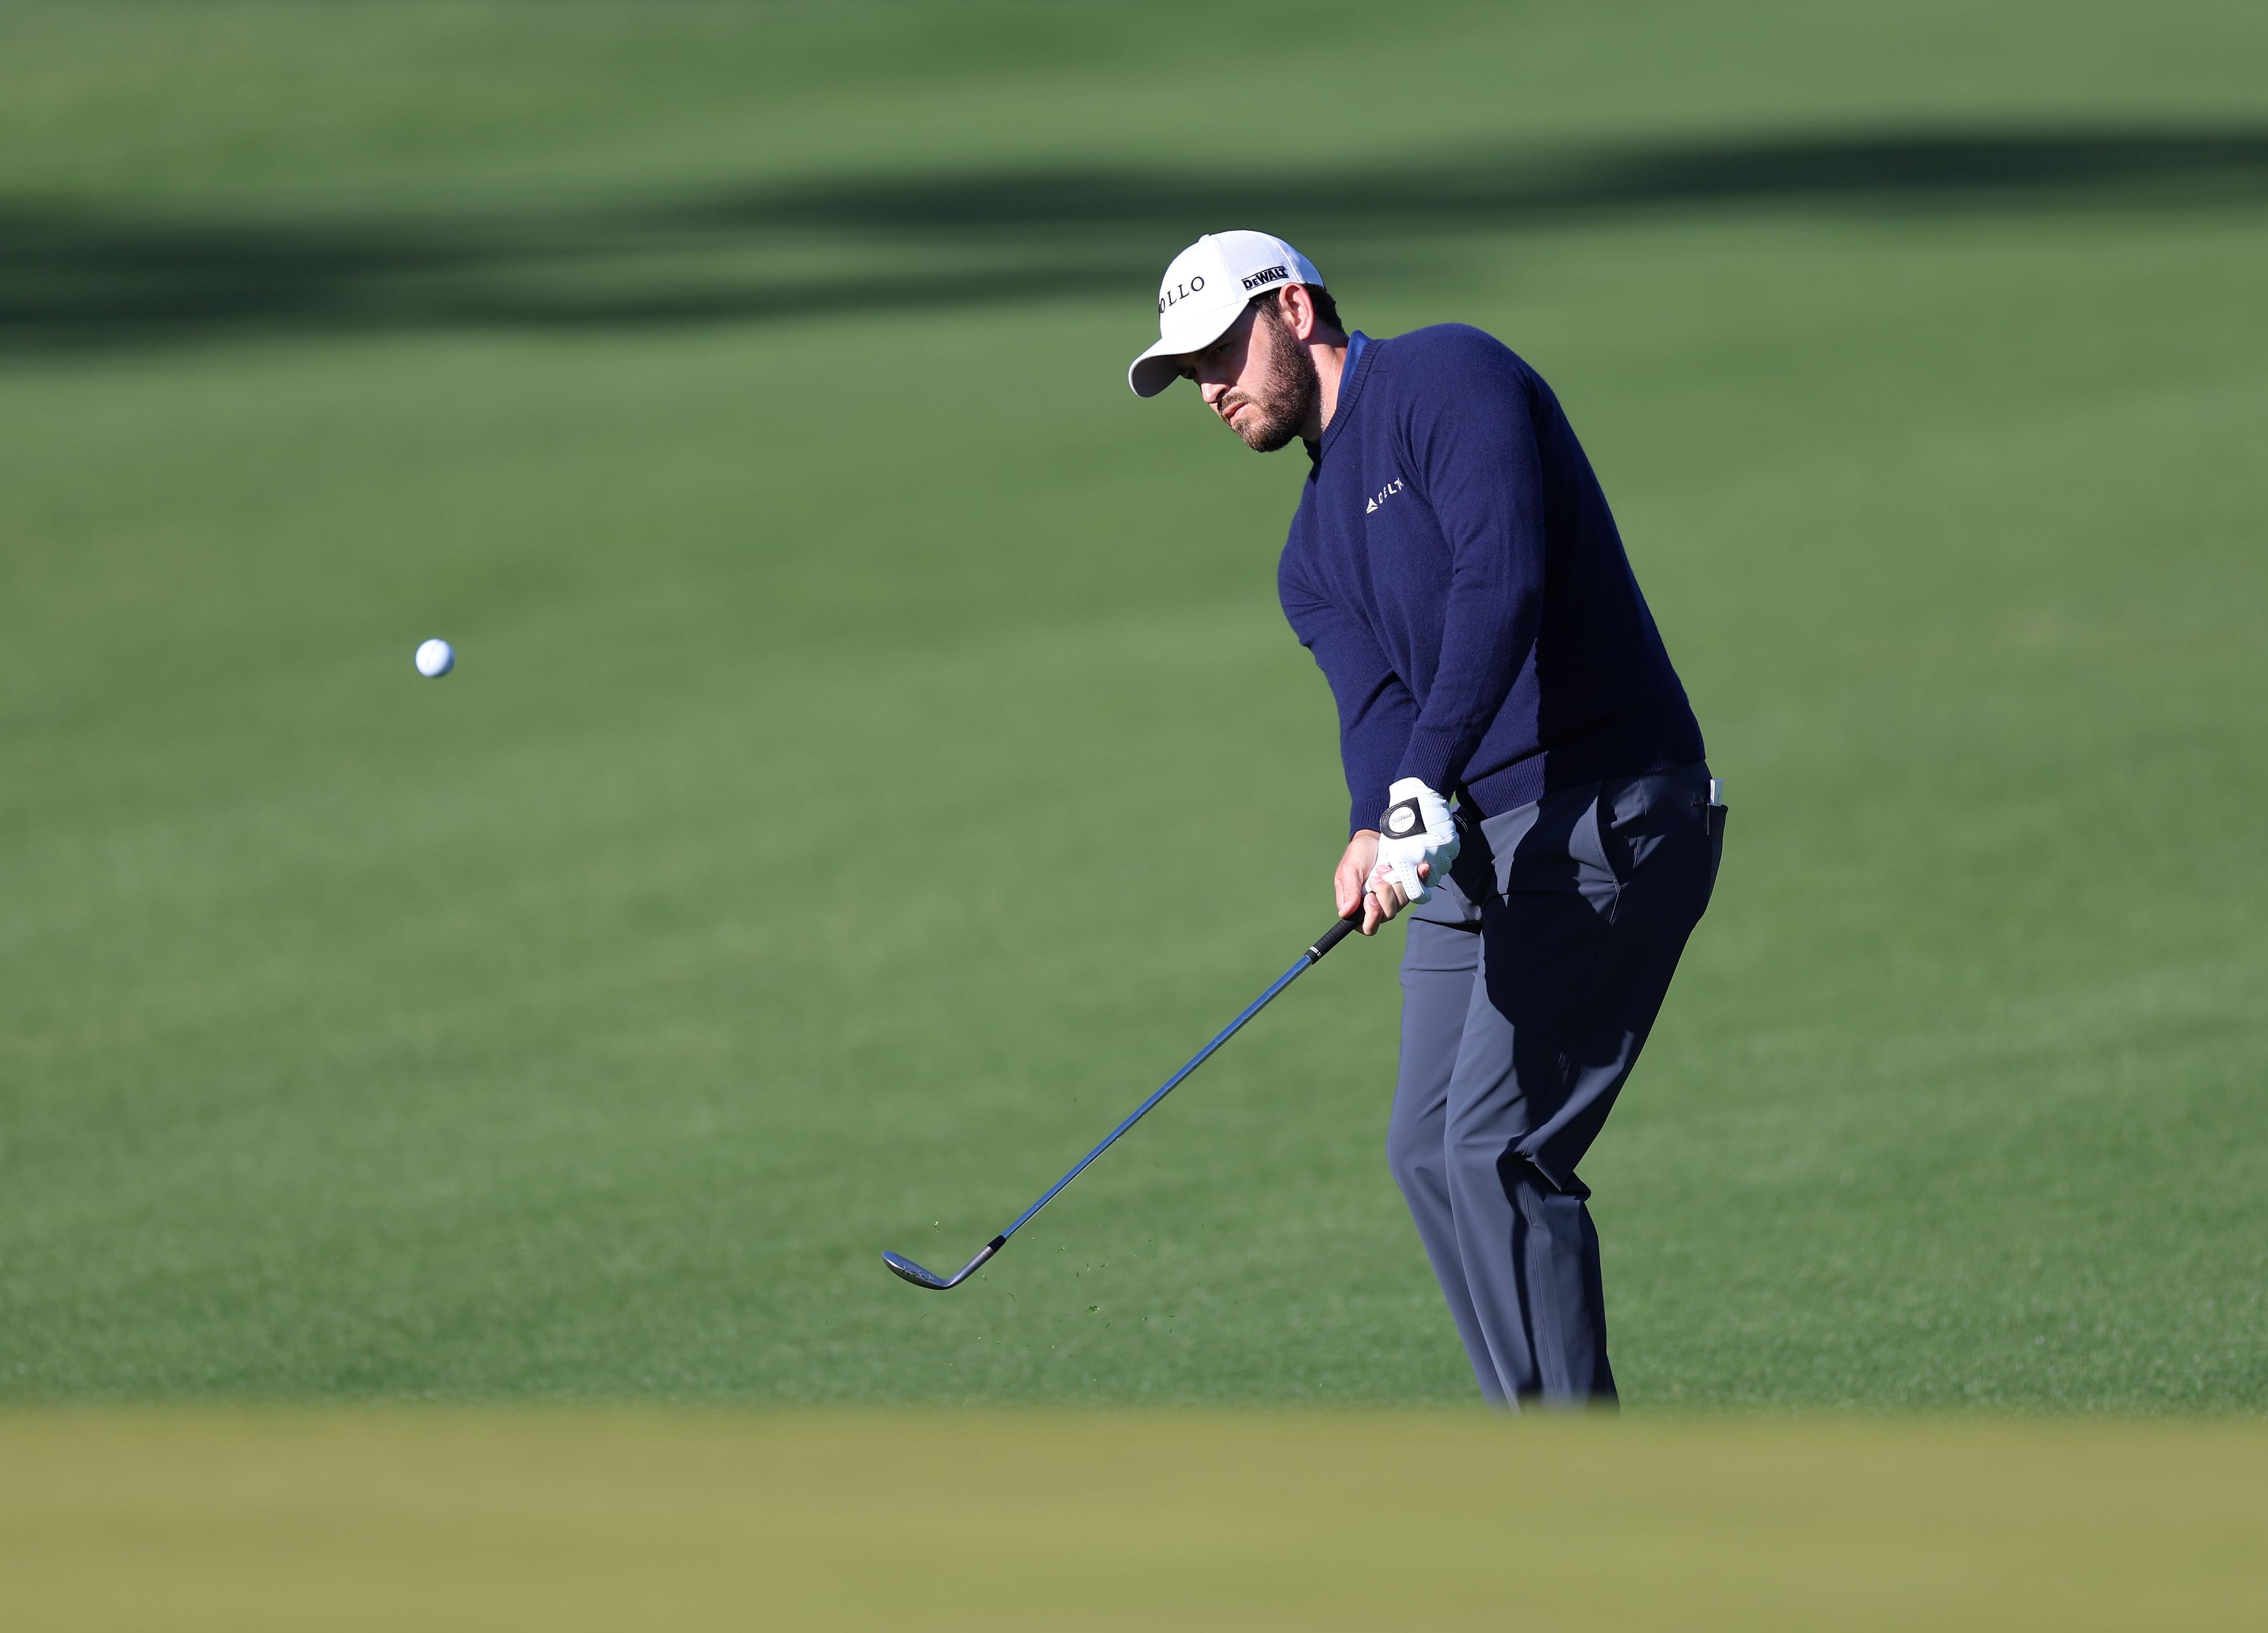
(1205, 291)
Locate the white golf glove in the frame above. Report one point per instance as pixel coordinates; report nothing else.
(1417, 827)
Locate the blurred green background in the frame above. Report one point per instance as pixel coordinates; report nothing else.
(806, 857)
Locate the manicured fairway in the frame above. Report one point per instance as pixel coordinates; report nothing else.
(875, 758)
(547, 1520)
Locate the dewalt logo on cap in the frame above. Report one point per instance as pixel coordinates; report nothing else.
(1266, 276)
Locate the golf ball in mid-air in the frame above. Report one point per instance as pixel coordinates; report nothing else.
(436, 658)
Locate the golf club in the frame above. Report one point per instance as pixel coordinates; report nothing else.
(904, 1266)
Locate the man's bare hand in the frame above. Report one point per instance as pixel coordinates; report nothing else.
(1381, 898)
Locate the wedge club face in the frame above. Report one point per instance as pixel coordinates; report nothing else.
(900, 1265)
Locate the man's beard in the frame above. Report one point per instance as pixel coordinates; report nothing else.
(1286, 393)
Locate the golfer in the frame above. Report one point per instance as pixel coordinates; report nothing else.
(1528, 779)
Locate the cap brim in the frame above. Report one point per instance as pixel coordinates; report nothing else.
(1158, 368)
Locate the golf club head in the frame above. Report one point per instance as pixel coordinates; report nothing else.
(900, 1265)
(906, 1268)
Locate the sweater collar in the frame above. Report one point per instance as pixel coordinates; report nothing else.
(1351, 375)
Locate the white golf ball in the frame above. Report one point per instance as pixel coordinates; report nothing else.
(436, 658)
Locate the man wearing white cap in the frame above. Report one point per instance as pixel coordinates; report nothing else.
(1526, 774)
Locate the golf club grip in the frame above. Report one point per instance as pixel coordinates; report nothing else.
(1336, 934)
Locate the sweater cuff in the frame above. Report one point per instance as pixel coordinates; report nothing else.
(1430, 758)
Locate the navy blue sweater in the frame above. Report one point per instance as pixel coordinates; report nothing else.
(1454, 569)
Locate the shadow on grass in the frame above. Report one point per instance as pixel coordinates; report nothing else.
(74, 280)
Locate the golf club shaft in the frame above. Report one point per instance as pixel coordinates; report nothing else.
(1322, 944)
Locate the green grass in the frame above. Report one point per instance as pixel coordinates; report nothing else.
(740, 388)
(188, 1520)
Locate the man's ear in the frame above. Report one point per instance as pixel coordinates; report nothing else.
(1296, 308)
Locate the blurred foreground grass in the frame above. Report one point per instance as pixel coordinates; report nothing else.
(540, 1520)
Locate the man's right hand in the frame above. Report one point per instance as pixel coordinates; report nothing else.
(1381, 898)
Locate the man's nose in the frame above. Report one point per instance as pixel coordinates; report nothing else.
(1212, 392)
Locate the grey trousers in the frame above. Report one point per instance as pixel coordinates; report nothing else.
(1529, 983)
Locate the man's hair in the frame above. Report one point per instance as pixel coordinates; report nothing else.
(1327, 310)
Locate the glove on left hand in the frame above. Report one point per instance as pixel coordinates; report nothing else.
(1417, 827)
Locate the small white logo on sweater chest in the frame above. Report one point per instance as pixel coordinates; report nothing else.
(1384, 494)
